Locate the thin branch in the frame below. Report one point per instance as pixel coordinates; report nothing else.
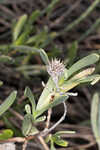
(44, 133)
(43, 142)
(16, 139)
(48, 118)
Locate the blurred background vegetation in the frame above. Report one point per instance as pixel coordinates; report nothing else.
(66, 29)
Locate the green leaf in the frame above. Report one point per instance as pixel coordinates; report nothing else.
(35, 14)
(8, 102)
(23, 37)
(72, 52)
(38, 39)
(44, 56)
(32, 39)
(42, 100)
(77, 77)
(48, 138)
(29, 50)
(84, 62)
(6, 134)
(45, 101)
(59, 133)
(1, 83)
(52, 147)
(68, 85)
(28, 28)
(40, 119)
(25, 49)
(28, 127)
(19, 27)
(49, 104)
(51, 6)
(95, 117)
(5, 59)
(32, 69)
(28, 109)
(30, 96)
(93, 79)
(59, 141)
(96, 79)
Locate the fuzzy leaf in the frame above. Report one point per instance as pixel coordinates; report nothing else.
(95, 117)
(77, 79)
(92, 78)
(30, 96)
(73, 82)
(84, 62)
(28, 127)
(46, 101)
(8, 102)
(28, 109)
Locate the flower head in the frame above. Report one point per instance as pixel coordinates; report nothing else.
(55, 69)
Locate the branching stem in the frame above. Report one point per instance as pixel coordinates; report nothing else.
(45, 132)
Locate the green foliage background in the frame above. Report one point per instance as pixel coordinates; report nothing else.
(62, 29)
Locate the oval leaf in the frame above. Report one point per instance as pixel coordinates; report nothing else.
(28, 127)
(95, 116)
(49, 99)
(30, 96)
(28, 109)
(84, 62)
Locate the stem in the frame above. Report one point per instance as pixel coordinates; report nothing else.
(45, 132)
(48, 118)
(43, 142)
(25, 145)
